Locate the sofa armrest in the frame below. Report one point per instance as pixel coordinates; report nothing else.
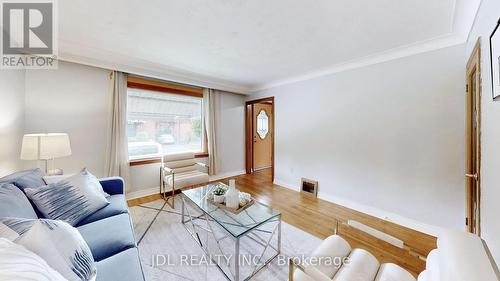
(112, 185)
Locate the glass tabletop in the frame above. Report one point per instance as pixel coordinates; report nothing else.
(236, 224)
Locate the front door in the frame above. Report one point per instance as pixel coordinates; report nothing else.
(262, 135)
(473, 145)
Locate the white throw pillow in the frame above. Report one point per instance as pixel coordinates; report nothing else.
(58, 178)
(19, 264)
(71, 199)
(58, 243)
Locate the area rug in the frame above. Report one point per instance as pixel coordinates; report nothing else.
(169, 252)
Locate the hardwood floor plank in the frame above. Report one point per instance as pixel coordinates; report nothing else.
(143, 200)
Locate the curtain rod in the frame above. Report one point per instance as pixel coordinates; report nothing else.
(165, 81)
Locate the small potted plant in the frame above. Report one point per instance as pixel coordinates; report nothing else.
(219, 194)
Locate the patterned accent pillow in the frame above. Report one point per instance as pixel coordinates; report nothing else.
(55, 179)
(58, 243)
(70, 200)
(18, 263)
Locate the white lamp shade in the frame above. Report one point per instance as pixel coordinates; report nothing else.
(45, 146)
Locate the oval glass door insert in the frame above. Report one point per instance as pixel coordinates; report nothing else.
(262, 124)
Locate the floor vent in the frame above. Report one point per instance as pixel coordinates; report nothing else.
(309, 187)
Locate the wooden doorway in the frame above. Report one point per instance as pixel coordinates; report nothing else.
(259, 120)
(473, 141)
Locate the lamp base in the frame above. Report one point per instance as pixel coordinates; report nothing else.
(55, 172)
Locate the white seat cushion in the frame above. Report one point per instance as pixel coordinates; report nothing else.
(298, 275)
(187, 179)
(178, 156)
(316, 274)
(180, 163)
(393, 272)
(423, 276)
(333, 246)
(362, 266)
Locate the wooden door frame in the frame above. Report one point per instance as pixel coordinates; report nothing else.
(473, 65)
(249, 133)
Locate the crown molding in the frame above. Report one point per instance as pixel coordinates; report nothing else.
(108, 60)
(460, 26)
(148, 69)
(392, 54)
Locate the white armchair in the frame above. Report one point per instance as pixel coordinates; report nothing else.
(180, 170)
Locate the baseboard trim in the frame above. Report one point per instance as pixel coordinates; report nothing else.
(143, 193)
(372, 211)
(227, 175)
(156, 190)
(286, 184)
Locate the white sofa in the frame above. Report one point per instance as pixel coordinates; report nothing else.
(460, 256)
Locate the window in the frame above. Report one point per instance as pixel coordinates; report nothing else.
(262, 124)
(163, 123)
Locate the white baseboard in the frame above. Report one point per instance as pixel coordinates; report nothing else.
(156, 190)
(227, 175)
(372, 211)
(286, 184)
(142, 193)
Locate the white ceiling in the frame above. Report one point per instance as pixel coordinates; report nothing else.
(246, 45)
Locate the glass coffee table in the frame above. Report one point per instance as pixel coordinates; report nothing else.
(258, 227)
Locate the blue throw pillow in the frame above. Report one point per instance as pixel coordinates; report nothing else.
(14, 203)
(58, 243)
(25, 179)
(70, 200)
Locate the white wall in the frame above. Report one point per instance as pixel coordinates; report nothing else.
(11, 120)
(385, 139)
(486, 20)
(73, 99)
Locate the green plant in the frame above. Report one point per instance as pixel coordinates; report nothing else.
(220, 190)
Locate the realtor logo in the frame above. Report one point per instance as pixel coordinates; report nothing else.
(28, 35)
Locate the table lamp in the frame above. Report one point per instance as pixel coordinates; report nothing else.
(46, 147)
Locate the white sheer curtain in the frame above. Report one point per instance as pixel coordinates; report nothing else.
(117, 162)
(210, 106)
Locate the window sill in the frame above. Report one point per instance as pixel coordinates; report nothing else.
(153, 160)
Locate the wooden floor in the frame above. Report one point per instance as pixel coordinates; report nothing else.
(320, 217)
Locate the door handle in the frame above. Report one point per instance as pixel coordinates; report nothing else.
(474, 176)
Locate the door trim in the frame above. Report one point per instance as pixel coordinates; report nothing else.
(473, 65)
(249, 133)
